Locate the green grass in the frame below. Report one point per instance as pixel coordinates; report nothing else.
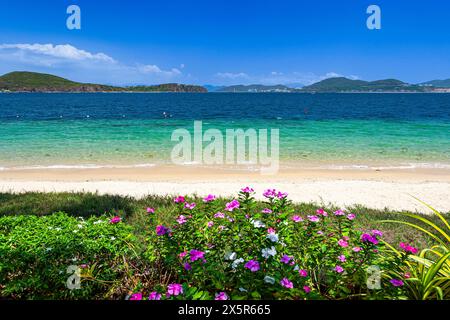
(134, 211)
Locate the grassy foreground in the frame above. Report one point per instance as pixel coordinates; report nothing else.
(41, 233)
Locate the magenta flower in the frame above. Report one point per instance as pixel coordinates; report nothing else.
(183, 254)
(115, 220)
(221, 296)
(136, 296)
(286, 283)
(230, 206)
(285, 259)
(187, 266)
(303, 273)
(365, 237)
(357, 249)
(322, 212)
(209, 198)
(313, 218)
(154, 296)
(343, 243)
(196, 254)
(219, 215)
(339, 269)
(297, 218)
(407, 248)
(307, 289)
(342, 258)
(179, 199)
(270, 193)
(150, 210)
(189, 206)
(210, 224)
(351, 216)
(339, 213)
(252, 265)
(161, 230)
(396, 282)
(247, 190)
(181, 219)
(174, 289)
(266, 210)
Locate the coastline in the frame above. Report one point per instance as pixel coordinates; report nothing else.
(378, 189)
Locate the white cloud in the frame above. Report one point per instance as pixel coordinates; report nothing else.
(232, 76)
(61, 51)
(154, 69)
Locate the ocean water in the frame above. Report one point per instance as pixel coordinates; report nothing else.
(125, 129)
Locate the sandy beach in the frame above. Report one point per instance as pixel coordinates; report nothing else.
(378, 189)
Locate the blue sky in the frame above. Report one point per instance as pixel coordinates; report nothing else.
(227, 42)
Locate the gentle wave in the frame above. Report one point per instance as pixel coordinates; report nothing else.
(390, 167)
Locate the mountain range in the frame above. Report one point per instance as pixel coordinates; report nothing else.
(23, 81)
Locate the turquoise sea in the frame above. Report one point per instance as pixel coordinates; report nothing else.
(124, 129)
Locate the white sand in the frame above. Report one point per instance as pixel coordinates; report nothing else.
(395, 195)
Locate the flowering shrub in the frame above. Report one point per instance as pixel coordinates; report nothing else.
(239, 252)
(36, 251)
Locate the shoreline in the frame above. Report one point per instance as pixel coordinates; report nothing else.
(377, 189)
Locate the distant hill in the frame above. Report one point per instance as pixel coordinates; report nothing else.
(255, 88)
(342, 84)
(22, 81)
(212, 88)
(437, 83)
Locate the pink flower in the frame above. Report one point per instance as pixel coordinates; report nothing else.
(252, 265)
(154, 296)
(351, 216)
(307, 289)
(368, 238)
(342, 258)
(407, 248)
(181, 219)
(210, 224)
(247, 190)
(161, 230)
(286, 283)
(313, 218)
(339, 269)
(270, 193)
(196, 254)
(219, 215)
(174, 289)
(297, 218)
(357, 249)
(285, 259)
(266, 210)
(179, 199)
(377, 233)
(303, 273)
(150, 210)
(343, 243)
(407, 275)
(183, 254)
(396, 282)
(322, 212)
(189, 206)
(221, 296)
(115, 220)
(339, 213)
(209, 198)
(271, 230)
(282, 195)
(136, 296)
(230, 206)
